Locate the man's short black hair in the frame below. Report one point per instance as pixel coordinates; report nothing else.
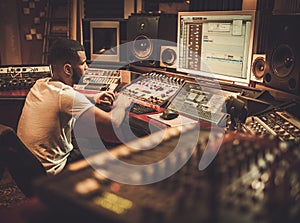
(64, 51)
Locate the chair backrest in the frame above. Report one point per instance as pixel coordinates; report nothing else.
(21, 163)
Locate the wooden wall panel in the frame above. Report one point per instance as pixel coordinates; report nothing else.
(32, 22)
(22, 29)
(10, 36)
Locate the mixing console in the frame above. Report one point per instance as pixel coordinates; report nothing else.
(99, 79)
(22, 77)
(152, 90)
(282, 122)
(199, 102)
(250, 180)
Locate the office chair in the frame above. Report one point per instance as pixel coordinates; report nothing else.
(20, 162)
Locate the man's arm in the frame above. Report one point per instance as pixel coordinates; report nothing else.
(106, 121)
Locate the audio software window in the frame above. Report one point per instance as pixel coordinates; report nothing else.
(216, 43)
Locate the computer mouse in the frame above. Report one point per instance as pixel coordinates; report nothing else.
(169, 114)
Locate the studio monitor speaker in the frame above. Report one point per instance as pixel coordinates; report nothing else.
(146, 34)
(168, 56)
(283, 57)
(258, 67)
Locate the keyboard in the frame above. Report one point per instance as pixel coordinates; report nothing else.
(140, 109)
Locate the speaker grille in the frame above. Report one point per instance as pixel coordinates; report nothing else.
(168, 56)
(258, 67)
(142, 47)
(282, 60)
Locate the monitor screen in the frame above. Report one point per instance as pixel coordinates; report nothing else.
(105, 40)
(216, 44)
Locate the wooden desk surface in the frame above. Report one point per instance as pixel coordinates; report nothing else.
(13, 94)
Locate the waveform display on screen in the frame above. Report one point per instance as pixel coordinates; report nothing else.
(216, 44)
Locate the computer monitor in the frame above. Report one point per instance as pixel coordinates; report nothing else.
(105, 40)
(216, 44)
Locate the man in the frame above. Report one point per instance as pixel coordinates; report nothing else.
(52, 106)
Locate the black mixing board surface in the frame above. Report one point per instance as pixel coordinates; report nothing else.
(282, 122)
(249, 180)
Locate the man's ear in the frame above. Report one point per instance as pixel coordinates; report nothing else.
(68, 69)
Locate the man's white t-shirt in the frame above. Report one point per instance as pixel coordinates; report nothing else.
(47, 119)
